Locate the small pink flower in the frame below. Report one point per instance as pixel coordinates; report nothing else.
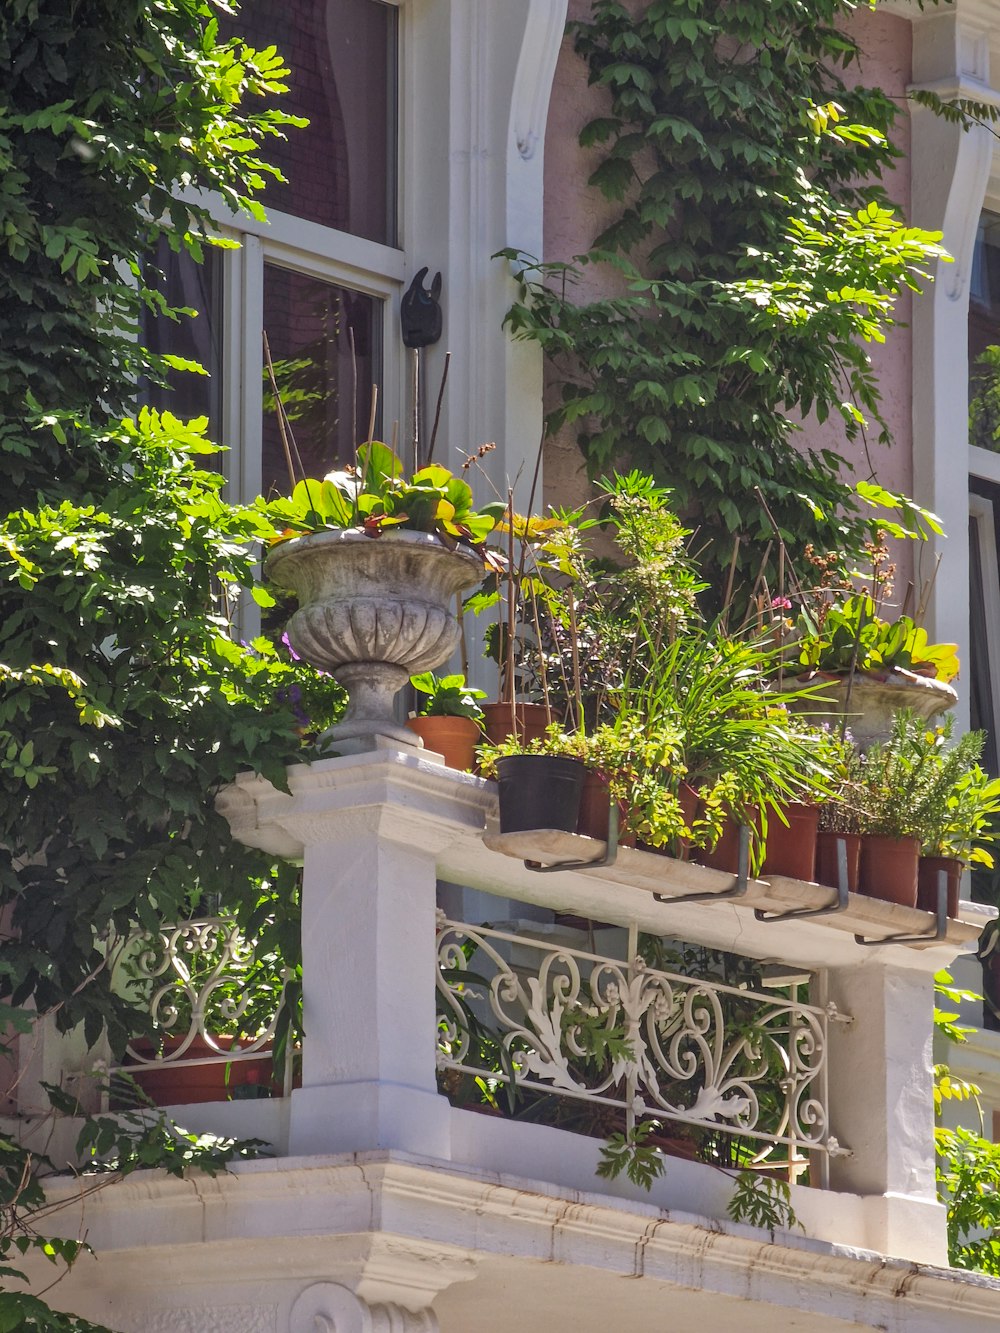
(780, 604)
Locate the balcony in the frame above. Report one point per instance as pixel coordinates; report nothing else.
(438, 963)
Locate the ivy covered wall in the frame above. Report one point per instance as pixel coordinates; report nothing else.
(577, 212)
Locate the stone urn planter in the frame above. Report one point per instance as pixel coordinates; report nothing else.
(873, 701)
(372, 612)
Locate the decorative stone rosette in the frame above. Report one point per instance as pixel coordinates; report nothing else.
(372, 612)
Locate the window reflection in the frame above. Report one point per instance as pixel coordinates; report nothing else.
(341, 168)
(309, 325)
(196, 287)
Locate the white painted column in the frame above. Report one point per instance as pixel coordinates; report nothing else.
(476, 83)
(950, 170)
(882, 1107)
(369, 829)
(368, 967)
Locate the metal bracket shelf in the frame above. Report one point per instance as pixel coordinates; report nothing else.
(608, 858)
(940, 922)
(739, 885)
(839, 904)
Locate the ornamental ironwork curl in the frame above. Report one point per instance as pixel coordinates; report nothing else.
(626, 1035)
(198, 980)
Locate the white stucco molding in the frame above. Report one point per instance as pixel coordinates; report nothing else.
(546, 23)
(294, 1226)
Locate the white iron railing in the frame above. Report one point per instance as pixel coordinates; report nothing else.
(641, 1042)
(204, 990)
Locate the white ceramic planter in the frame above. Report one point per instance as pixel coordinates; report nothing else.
(372, 612)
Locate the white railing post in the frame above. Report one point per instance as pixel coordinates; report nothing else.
(881, 1102)
(369, 830)
(368, 1075)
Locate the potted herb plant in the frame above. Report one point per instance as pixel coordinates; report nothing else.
(957, 823)
(450, 722)
(899, 779)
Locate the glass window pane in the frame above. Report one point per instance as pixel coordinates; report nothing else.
(341, 169)
(980, 691)
(984, 336)
(309, 325)
(197, 287)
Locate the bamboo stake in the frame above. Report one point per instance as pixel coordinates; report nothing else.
(730, 580)
(284, 426)
(372, 414)
(437, 410)
(509, 654)
(926, 594)
(575, 650)
(354, 393)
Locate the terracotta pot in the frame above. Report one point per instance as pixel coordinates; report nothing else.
(529, 719)
(928, 871)
(791, 847)
(889, 868)
(168, 1083)
(455, 738)
(826, 858)
(595, 807)
(689, 799)
(595, 811)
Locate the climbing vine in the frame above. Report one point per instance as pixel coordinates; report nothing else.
(126, 696)
(754, 259)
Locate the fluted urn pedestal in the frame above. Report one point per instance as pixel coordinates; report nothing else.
(372, 611)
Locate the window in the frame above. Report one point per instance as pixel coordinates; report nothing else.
(198, 287)
(984, 484)
(984, 336)
(321, 276)
(341, 168)
(325, 345)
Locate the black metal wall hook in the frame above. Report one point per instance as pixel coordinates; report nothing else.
(420, 312)
(609, 857)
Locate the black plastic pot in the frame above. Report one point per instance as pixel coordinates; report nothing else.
(539, 791)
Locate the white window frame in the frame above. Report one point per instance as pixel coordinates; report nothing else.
(981, 510)
(318, 252)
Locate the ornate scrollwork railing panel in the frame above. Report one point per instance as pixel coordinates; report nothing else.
(205, 998)
(622, 1034)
